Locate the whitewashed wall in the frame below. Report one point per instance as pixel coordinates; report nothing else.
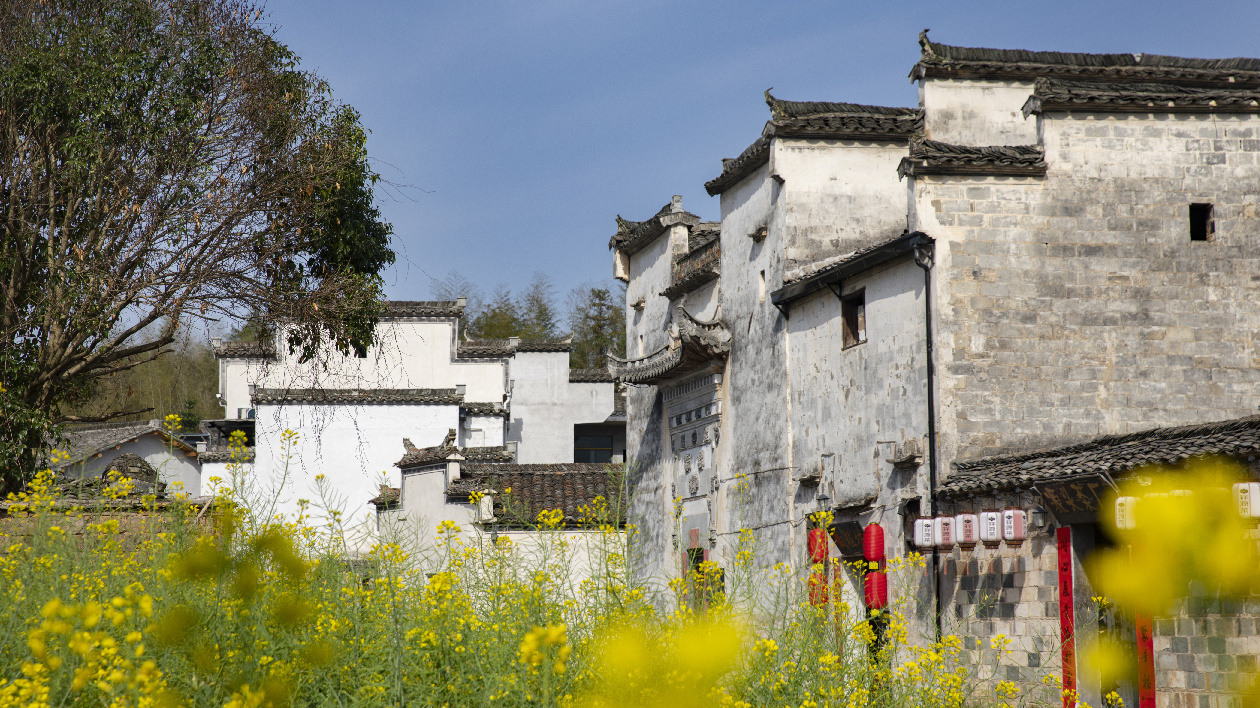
(546, 406)
(354, 447)
(977, 112)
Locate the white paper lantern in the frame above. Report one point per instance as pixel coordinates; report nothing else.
(967, 530)
(1247, 494)
(923, 536)
(991, 528)
(1014, 526)
(943, 532)
(1126, 513)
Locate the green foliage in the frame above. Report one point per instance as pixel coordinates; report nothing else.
(538, 311)
(164, 162)
(597, 319)
(23, 430)
(596, 315)
(499, 319)
(183, 381)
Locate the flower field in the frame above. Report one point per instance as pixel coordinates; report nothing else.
(210, 605)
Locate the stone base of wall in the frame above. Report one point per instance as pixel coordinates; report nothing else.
(1207, 651)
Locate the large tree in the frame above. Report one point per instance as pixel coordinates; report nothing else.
(162, 162)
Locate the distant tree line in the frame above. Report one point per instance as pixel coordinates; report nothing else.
(186, 378)
(594, 315)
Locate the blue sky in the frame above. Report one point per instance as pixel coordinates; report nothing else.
(526, 126)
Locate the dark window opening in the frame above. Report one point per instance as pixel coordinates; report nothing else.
(592, 448)
(853, 312)
(706, 585)
(1202, 226)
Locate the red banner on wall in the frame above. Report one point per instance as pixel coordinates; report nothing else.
(1067, 617)
(1146, 660)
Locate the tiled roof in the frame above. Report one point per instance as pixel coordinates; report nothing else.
(421, 456)
(503, 348)
(702, 234)
(735, 169)
(863, 259)
(545, 345)
(86, 440)
(943, 60)
(634, 235)
(540, 487)
(483, 349)
(700, 266)
(589, 376)
(693, 345)
(245, 350)
(483, 409)
(500, 453)
(402, 309)
(822, 120)
(387, 498)
(619, 407)
(930, 157)
(1112, 455)
(1052, 95)
(357, 396)
(225, 455)
(786, 110)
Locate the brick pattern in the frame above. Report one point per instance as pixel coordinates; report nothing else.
(1010, 591)
(1208, 649)
(1076, 305)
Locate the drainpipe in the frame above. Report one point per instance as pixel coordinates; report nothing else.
(924, 258)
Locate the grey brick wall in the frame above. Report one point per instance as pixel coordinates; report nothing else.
(1206, 650)
(1075, 305)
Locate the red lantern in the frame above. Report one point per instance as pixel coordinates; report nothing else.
(873, 543)
(875, 583)
(876, 587)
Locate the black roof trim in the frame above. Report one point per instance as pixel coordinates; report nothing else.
(633, 236)
(1053, 95)
(590, 376)
(357, 396)
(931, 157)
(857, 262)
(946, 61)
(818, 120)
(1110, 454)
(405, 309)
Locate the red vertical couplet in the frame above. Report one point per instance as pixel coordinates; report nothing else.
(1067, 617)
(818, 553)
(1146, 660)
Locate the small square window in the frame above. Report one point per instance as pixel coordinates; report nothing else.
(1202, 225)
(853, 313)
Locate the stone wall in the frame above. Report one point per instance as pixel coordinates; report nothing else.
(1208, 648)
(1076, 305)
